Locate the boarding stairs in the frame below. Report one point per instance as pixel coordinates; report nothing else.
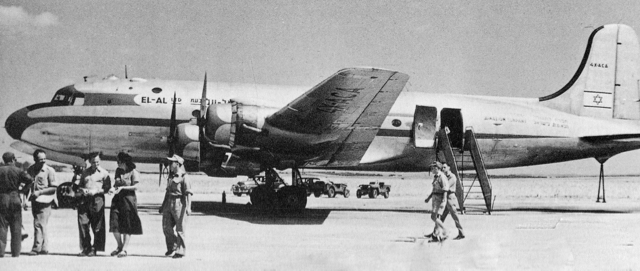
(472, 190)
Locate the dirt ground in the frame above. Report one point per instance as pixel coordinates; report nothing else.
(537, 223)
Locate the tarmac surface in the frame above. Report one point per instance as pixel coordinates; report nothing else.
(537, 224)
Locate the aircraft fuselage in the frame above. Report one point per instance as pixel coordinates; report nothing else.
(127, 115)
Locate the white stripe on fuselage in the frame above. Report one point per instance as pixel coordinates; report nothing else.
(495, 116)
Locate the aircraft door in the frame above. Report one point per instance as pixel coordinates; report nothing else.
(452, 119)
(424, 126)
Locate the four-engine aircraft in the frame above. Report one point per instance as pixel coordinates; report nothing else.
(357, 119)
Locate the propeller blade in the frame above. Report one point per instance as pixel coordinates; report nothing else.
(160, 175)
(172, 128)
(203, 101)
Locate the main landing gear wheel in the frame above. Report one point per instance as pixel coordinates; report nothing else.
(289, 198)
(263, 197)
(292, 198)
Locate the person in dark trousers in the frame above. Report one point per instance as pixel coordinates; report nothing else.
(43, 192)
(123, 219)
(10, 204)
(93, 183)
(175, 208)
(452, 200)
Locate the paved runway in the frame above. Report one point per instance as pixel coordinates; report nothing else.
(543, 232)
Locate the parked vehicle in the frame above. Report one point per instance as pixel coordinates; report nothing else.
(373, 189)
(246, 187)
(329, 188)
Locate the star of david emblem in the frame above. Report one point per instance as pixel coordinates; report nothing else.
(597, 99)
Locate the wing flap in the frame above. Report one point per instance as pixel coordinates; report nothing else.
(348, 107)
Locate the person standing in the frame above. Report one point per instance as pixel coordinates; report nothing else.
(123, 219)
(10, 204)
(452, 200)
(93, 183)
(440, 186)
(43, 192)
(175, 208)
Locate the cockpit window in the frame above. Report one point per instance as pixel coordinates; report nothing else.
(68, 96)
(60, 98)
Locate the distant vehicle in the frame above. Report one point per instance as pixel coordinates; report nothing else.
(251, 183)
(373, 189)
(329, 188)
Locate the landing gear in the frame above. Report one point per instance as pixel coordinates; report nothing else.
(289, 198)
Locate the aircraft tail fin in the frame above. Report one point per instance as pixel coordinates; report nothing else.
(606, 84)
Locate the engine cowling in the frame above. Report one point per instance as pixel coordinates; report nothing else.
(235, 124)
(189, 145)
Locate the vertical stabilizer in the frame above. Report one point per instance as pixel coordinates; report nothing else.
(606, 83)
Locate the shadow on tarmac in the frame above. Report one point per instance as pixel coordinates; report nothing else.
(251, 214)
(567, 210)
(99, 255)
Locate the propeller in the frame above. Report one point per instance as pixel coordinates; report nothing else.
(172, 139)
(203, 104)
(204, 144)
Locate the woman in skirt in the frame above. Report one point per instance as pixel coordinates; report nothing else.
(124, 220)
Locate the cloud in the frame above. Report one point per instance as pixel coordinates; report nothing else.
(15, 20)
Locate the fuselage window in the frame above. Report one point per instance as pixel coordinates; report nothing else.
(156, 90)
(79, 101)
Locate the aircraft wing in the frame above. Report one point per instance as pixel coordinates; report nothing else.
(347, 109)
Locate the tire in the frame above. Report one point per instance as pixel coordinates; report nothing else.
(386, 194)
(317, 194)
(346, 193)
(292, 198)
(331, 192)
(237, 194)
(373, 193)
(358, 194)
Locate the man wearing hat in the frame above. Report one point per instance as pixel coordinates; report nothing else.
(175, 208)
(10, 204)
(93, 183)
(440, 187)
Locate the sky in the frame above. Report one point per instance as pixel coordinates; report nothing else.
(498, 48)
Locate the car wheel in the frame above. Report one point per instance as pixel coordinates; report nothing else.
(317, 194)
(358, 194)
(346, 193)
(237, 194)
(373, 193)
(332, 192)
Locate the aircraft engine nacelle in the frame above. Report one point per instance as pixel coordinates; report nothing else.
(235, 124)
(188, 144)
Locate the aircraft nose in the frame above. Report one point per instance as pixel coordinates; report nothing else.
(17, 122)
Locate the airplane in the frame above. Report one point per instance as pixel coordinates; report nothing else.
(358, 119)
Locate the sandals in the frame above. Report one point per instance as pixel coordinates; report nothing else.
(122, 254)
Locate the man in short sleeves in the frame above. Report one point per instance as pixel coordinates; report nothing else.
(42, 195)
(94, 182)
